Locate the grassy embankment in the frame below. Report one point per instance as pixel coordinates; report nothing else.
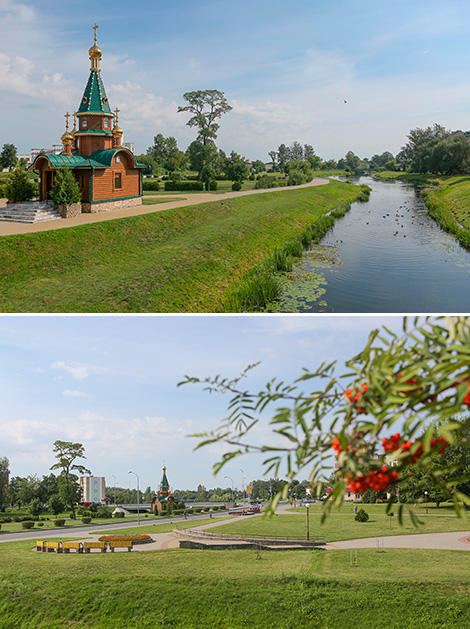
(213, 257)
(447, 198)
(236, 588)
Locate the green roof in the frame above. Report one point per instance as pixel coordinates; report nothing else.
(94, 131)
(94, 97)
(105, 156)
(71, 161)
(99, 159)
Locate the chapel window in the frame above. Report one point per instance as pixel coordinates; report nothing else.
(84, 123)
(117, 181)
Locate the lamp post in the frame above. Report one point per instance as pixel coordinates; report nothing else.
(243, 484)
(232, 487)
(114, 490)
(138, 498)
(426, 494)
(308, 528)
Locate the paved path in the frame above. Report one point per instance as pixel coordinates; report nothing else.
(431, 541)
(9, 228)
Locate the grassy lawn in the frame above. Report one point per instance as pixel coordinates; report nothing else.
(155, 201)
(342, 526)
(236, 588)
(183, 260)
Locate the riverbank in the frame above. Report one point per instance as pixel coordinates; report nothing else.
(447, 199)
(186, 259)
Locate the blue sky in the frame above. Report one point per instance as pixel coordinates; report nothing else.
(285, 67)
(110, 382)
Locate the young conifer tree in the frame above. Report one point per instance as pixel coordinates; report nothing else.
(65, 189)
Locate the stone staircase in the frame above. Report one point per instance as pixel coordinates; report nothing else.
(29, 212)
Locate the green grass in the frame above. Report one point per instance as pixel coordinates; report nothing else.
(163, 527)
(340, 526)
(188, 259)
(232, 589)
(155, 201)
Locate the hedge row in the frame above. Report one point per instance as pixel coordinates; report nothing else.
(173, 186)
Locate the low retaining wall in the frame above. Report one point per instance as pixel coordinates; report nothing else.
(105, 206)
(256, 541)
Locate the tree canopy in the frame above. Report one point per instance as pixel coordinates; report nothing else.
(66, 454)
(391, 406)
(207, 106)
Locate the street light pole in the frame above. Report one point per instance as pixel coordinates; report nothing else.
(138, 498)
(426, 494)
(308, 528)
(114, 490)
(232, 488)
(243, 484)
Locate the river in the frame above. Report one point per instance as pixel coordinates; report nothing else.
(385, 255)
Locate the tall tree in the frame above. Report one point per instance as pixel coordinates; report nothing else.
(66, 454)
(8, 158)
(283, 156)
(273, 155)
(4, 481)
(207, 106)
(236, 167)
(418, 149)
(296, 152)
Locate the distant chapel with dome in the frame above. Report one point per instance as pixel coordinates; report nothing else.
(107, 173)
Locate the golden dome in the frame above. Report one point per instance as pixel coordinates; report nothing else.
(67, 137)
(95, 52)
(117, 130)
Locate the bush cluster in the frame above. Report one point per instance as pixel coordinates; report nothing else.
(27, 524)
(173, 186)
(151, 184)
(361, 516)
(59, 522)
(119, 514)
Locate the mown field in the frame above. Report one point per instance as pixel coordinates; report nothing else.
(236, 588)
(343, 526)
(185, 260)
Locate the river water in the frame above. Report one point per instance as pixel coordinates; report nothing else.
(385, 255)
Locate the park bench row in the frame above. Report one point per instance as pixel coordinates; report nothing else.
(80, 547)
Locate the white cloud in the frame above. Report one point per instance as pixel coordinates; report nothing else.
(78, 372)
(69, 393)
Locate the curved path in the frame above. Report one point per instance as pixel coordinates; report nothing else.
(9, 228)
(426, 541)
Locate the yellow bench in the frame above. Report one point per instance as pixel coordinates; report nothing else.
(51, 547)
(40, 547)
(89, 545)
(68, 546)
(113, 545)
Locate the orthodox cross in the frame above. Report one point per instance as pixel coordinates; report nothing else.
(67, 116)
(117, 111)
(94, 28)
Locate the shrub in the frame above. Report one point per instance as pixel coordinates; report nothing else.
(35, 507)
(86, 519)
(150, 184)
(236, 186)
(59, 522)
(65, 189)
(103, 512)
(19, 187)
(211, 186)
(172, 186)
(296, 178)
(27, 524)
(119, 514)
(40, 523)
(215, 508)
(361, 516)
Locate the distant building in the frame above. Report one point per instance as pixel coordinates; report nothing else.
(129, 145)
(458, 134)
(93, 488)
(163, 494)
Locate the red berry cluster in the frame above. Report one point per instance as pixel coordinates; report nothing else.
(354, 395)
(377, 480)
(394, 443)
(335, 444)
